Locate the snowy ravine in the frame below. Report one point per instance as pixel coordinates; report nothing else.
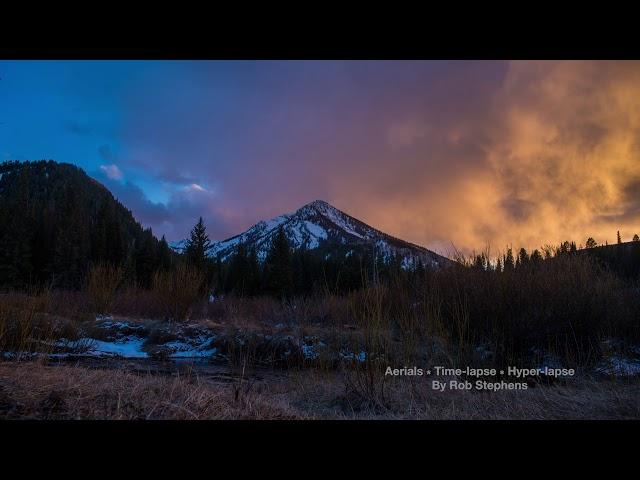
(320, 225)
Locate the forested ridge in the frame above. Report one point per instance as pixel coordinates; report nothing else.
(56, 221)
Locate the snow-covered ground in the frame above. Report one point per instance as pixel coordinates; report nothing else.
(131, 347)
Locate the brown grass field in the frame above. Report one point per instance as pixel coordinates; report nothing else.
(34, 390)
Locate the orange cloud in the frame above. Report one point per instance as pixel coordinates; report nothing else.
(559, 159)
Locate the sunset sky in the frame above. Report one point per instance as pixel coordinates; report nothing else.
(465, 152)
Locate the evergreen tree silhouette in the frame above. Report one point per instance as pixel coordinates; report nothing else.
(499, 265)
(197, 246)
(523, 257)
(508, 261)
(536, 257)
(164, 254)
(146, 259)
(278, 266)
(240, 272)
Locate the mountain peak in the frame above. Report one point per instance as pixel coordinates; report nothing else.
(322, 227)
(318, 205)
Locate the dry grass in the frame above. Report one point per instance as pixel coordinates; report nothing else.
(178, 290)
(327, 398)
(27, 324)
(32, 390)
(102, 283)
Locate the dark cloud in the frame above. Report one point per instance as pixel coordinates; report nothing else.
(627, 211)
(79, 129)
(106, 153)
(177, 216)
(517, 209)
(146, 211)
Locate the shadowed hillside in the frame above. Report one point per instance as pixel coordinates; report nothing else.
(622, 258)
(55, 221)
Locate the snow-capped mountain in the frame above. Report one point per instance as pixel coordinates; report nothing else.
(319, 225)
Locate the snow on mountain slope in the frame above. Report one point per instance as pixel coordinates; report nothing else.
(317, 225)
(178, 245)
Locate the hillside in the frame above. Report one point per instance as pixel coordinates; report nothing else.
(621, 258)
(55, 221)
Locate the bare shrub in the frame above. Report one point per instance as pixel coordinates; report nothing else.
(102, 284)
(178, 290)
(27, 326)
(366, 376)
(138, 302)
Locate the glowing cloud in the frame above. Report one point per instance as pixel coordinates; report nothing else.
(112, 172)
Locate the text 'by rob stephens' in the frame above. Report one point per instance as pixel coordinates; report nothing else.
(488, 379)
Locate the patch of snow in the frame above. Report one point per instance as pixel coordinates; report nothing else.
(309, 352)
(129, 347)
(108, 325)
(619, 366)
(342, 222)
(177, 245)
(316, 233)
(184, 350)
(407, 263)
(360, 357)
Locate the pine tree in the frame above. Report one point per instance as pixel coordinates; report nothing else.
(636, 238)
(420, 269)
(278, 266)
(197, 246)
(536, 257)
(99, 235)
(523, 257)
(164, 254)
(591, 243)
(239, 271)
(146, 259)
(619, 239)
(508, 261)
(253, 275)
(21, 230)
